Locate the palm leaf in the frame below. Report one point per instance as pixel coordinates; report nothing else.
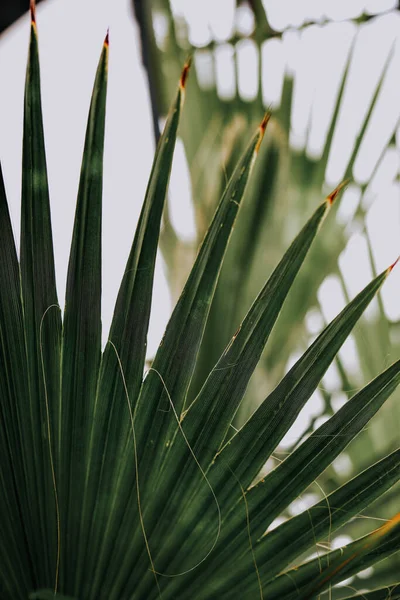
(81, 347)
(291, 182)
(391, 592)
(112, 484)
(318, 574)
(41, 315)
(303, 180)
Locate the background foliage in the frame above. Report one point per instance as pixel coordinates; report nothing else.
(291, 182)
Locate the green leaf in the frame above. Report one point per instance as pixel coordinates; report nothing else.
(319, 167)
(49, 595)
(184, 331)
(175, 360)
(270, 496)
(224, 387)
(41, 318)
(127, 343)
(312, 578)
(208, 420)
(81, 347)
(14, 553)
(155, 420)
(279, 547)
(368, 116)
(390, 592)
(118, 475)
(132, 310)
(250, 448)
(246, 263)
(306, 463)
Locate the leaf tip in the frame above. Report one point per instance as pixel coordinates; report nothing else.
(107, 39)
(262, 128)
(333, 195)
(384, 530)
(32, 6)
(185, 72)
(392, 266)
(393, 522)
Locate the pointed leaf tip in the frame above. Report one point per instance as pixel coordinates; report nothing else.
(262, 128)
(107, 38)
(393, 522)
(381, 532)
(264, 122)
(33, 11)
(333, 195)
(392, 266)
(185, 73)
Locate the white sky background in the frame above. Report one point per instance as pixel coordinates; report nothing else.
(71, 36)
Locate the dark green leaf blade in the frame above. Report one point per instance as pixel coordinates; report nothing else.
(259, 227)
(306, 463)
(354, 557)
(173, 365)
(390, 592)
(345, 562)
(48, 595)
(176, 356)
(183, 334)
(15, 511)
(208, 420)
(127, 343)
(132, 310)
(279, 547)
(41, 317)
(81, 344)
(266, 500)
(250, 448)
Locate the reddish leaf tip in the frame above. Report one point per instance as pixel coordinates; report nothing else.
(262, 128)
(264, 122)
(185, 73)
(107, 38)
(33, 11)
(333, 195)
(392, 266)
(383, 530)
(393, 522)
